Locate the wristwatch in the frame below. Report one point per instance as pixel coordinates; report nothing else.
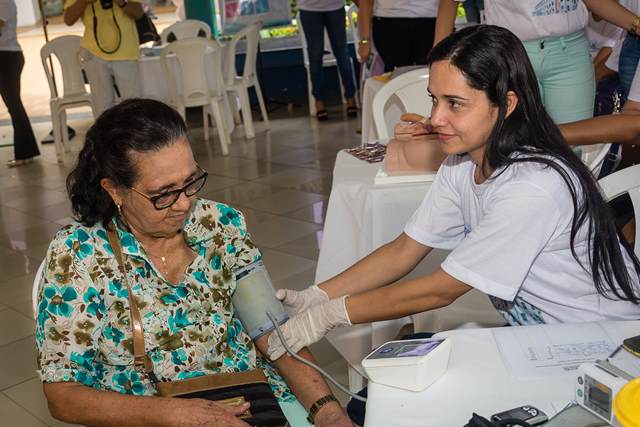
(319, 404)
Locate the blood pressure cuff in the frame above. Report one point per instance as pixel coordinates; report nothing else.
(478, 421)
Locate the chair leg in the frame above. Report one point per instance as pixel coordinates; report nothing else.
(263, 108)
(312, 100)
(205, 122)
(57, 136)
(66, 144)
(217, 107)
(233, 103)
(247, 116)
(344, 100)
(355, 83)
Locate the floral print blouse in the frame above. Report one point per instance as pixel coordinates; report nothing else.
(83, 330)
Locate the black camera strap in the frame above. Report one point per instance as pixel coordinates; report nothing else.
(95, 31)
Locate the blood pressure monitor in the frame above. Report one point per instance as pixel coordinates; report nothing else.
(596, 387)
(409, 364)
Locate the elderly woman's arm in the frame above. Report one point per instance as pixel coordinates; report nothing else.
(78, 404)
(308, 386)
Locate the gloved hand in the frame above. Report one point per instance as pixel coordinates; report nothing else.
(298, 301)
(309, 326)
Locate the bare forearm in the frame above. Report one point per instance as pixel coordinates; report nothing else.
(383, 266)
(620, 128)
(78, 404)
(445, 22)
(365, 12)
(74, 12)
(405, 298)
(612, 12)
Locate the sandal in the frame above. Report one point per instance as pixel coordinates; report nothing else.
(20, 162)
(322, 115)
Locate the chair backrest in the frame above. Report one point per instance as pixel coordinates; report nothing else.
(195, 74)
(411, 89)
(328, 52)
(624, 181)
(36, 286)
(594, 155)
(251, 33)
(65, 49)
(187, 29)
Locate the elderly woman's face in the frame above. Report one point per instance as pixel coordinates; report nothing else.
(168, 169)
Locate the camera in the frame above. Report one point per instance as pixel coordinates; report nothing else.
(106, 4)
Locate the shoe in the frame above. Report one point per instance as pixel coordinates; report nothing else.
(21, 162)
(322, 115)
(352, 111)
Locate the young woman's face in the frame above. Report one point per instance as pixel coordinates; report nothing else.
(462, 116)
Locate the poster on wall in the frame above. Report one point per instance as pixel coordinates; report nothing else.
(238, 13)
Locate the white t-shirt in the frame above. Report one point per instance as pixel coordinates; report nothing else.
(320, 5)
(405, 8)
(536, 19)
(509, 238)
(602, 34)
(9, 14)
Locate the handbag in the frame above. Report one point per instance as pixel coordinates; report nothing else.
(226, 388)
(147, 31)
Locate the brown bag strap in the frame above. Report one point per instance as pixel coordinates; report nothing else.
(141, 358)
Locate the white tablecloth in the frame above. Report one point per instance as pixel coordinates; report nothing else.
(361, 217)
(393, 110)
(476, 381)
(153, 80)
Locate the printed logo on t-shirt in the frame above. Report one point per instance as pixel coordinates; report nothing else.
(518, 312)
(552, 7)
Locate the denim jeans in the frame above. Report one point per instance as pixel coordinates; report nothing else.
(314, 24)
(628, 64)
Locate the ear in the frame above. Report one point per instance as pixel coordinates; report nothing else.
(111, 188)
(512, 102)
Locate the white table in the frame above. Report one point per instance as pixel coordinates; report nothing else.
(476, 381)
(392, 112)
(153, 80)
(362, 216)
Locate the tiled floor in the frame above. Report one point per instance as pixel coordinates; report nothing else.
(281, 181)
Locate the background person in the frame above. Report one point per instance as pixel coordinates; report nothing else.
(109, 47)
(25, 147)
(522, 215)
(136, 175)
(316, 16)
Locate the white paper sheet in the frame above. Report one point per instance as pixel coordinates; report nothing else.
(536, 351)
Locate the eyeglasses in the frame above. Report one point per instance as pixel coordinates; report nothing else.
(167, 199)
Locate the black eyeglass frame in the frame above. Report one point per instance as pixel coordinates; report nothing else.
(177, 192)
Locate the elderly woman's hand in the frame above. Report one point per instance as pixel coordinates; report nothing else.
(298, 301)
(201, 412)
(332, 415)
(412, 126)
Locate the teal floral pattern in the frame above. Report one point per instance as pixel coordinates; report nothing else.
(83, 331)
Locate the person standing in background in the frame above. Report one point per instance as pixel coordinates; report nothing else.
(315, 16)
(109, 48)
(25, 147)
(403, 30)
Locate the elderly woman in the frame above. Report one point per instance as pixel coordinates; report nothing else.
(136, 175)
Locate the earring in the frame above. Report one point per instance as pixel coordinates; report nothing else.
(119, 207)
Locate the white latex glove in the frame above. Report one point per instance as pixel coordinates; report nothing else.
(298, 301)
(310, 326)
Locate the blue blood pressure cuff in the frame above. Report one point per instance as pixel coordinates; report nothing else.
(254, 298)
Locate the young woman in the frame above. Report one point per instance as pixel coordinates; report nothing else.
(521, 214)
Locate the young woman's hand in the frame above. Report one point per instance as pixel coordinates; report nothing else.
(201, 412)
(308, 327)
(298, 301)
(412, 126)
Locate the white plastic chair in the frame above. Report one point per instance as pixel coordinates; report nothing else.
(411, 89)
(328, 60)
(594, 155)
(36, 287)
(74, 94)
(241, 84)
(197, 87)
(186, 29)
(624, 181)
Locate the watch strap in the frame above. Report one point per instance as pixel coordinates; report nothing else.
(313, 410)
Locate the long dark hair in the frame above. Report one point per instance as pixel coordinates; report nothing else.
(134, 125)
(493, 60)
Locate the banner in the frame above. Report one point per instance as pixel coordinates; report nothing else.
(238, 13)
